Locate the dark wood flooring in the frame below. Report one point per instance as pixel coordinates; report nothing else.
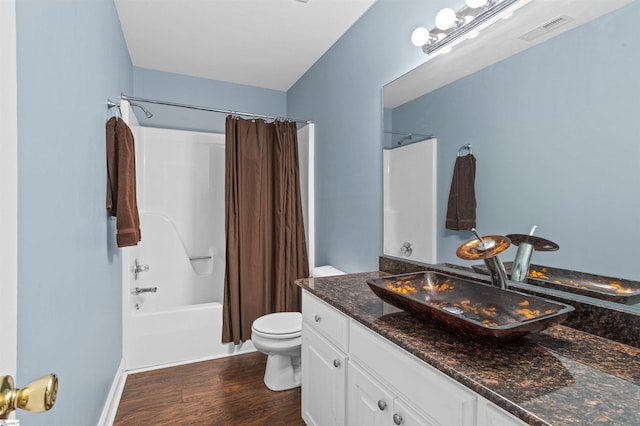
(225, 391)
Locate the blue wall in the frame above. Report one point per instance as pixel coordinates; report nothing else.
(555, 130)
(71, 57)
(342, 94)
(152, 84)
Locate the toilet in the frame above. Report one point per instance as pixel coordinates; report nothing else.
(279, 336)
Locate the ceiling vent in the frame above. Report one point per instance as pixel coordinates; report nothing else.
(547, 28)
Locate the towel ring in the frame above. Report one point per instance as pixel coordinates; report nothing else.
(111, 104)
(467, 147)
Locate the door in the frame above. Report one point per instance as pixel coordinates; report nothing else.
(8, 190)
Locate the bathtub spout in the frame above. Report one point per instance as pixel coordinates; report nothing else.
(139, 290)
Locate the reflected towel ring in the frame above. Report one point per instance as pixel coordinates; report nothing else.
(467, 147)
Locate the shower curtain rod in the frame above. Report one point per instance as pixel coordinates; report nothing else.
(409, 134)
(202, 108)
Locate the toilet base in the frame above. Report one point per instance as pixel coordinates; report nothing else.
(282, 372)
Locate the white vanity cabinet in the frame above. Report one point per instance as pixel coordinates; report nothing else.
(353, 376)
(324, 362)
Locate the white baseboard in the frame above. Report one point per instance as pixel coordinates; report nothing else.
(113, 399)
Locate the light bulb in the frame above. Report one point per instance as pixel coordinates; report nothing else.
(476, 3)
(420, 36)
(446, 19)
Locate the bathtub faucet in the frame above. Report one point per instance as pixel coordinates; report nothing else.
(139, 290)
(137, 268)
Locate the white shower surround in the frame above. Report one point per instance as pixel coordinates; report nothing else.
(180, 183)
(410, 194)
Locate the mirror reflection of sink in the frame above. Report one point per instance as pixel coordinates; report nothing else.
(601, 287)
(469, 307)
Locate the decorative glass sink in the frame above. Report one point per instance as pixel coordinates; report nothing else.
(598, 286)
(469, 307)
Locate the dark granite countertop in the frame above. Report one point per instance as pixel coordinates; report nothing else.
(561, 376)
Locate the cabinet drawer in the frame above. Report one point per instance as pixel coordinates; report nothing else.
(326, 320)
(439, 396)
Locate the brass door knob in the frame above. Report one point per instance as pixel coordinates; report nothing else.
(39, 395)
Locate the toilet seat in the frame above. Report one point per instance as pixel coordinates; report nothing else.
(280, 325)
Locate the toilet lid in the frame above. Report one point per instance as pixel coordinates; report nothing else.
(279, 323)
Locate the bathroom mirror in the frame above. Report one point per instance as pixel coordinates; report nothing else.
(555, 129)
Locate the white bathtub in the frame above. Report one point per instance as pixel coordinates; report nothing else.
(182, 320)
(186, 334)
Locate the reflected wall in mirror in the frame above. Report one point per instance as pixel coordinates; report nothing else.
(556, 133)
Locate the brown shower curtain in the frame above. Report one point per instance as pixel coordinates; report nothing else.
(266, 246)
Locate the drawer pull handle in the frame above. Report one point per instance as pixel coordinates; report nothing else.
(336, 363)
(382, 405)
(397, 419)
(317, 318)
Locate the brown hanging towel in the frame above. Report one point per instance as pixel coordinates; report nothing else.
(461, 208)
(121, 182)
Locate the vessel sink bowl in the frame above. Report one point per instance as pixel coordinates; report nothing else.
(469, 307)
(598, 286)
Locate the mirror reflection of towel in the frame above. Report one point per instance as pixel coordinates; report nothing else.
(461, 208)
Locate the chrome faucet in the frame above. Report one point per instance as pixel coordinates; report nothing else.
(137, 268)
(487, 249)
(526, 245)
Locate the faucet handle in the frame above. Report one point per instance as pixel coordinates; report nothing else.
(539, 244)
(406, 249)
(137, 268)
(483, 248)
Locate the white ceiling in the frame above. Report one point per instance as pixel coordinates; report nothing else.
(263, 43)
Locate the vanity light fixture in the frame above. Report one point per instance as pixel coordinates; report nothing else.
(454, 27)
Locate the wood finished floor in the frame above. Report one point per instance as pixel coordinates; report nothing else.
(225, 391)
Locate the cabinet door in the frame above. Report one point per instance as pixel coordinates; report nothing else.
(446, 401)
(369, 404)
(323, 381)
(405, 416)
(490, 414)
